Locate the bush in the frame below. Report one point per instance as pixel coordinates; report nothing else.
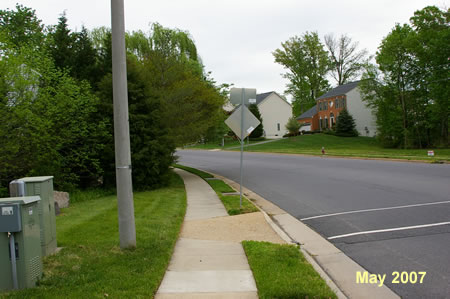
(293, 126)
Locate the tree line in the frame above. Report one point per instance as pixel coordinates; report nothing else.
(407, 87)
(56, 101)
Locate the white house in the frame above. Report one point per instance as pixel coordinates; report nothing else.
(275, 112)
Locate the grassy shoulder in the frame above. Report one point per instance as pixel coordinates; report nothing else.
(231, 202)
(281, 271)
(365, 147)
(218, 145)
(91, 263)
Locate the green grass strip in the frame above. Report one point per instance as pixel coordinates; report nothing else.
(200, 173)
(281, 271)
(231, 202)
(91, 263)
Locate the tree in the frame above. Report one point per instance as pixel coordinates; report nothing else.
(259, 130)
(410, 91)
(85, 58)
(61, 44)
(431, 28)
(293, 126)
(346, 61)
(345, 126)
(307, 63)
(21, 28)
(50, 127)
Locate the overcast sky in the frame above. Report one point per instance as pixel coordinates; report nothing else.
(235, 39)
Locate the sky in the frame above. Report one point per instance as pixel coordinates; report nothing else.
(236, 38)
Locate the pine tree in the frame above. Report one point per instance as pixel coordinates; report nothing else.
(345, 126)
(61, 47)
(259, 130)
(85, 58)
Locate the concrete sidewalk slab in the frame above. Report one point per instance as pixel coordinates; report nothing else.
(202, 268)
(208, 281)
(224, 295)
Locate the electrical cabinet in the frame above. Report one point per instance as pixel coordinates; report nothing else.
(42, 187)
(20, 216)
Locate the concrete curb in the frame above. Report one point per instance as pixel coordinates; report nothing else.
(337, 269)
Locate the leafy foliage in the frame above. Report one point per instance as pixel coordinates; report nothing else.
(49, 129)
(56, 98)
(293, 126)
(409, 90)
(307, 63)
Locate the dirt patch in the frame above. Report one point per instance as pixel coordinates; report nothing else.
(237, 228)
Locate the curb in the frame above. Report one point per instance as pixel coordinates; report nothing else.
(330, 263)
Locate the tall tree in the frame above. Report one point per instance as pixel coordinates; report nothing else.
(85, 58)
(410, 92)
(62, 44)
(347, 62)
(307, 63)
(432, 29)
(20, 28)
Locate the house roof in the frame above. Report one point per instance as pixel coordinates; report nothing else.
(308, 114)
(260, 97)
(340, 90)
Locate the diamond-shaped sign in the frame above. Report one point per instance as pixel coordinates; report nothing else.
(236, 96)
(234, 122)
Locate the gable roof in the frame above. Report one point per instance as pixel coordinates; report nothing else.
(261, 97)
(308, 114)
(340, 90)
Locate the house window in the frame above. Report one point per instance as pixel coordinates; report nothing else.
(278, 126)
(332, 120)
(336, 103)
(326, 123)
(325, 105)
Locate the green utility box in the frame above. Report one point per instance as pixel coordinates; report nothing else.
(20, 216)
(42, 187)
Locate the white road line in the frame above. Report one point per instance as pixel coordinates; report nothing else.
(377, 209)
(388, 230)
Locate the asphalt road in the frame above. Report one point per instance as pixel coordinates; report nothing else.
(397, 213)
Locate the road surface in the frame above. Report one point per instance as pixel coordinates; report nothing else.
(387, 216)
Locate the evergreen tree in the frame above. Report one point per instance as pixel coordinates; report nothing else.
(345, 126)
(61, 44)
(84, 63)
(259, 130)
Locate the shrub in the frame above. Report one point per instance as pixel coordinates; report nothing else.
(345, 126)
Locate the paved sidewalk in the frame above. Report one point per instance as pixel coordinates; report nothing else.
(206, 268)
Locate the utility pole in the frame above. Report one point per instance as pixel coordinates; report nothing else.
(125, 206)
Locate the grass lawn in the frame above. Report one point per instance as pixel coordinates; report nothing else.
(91, 263)
(365, 147)
(202, 174)
(231, 202)
(281, 271)
(218, 145)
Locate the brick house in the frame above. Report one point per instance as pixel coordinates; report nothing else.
(309, 120)
(333, 102)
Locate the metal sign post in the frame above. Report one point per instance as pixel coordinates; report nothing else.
(242, 122)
